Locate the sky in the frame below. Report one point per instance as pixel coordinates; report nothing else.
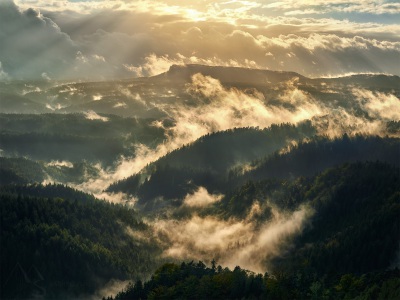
(110, 39)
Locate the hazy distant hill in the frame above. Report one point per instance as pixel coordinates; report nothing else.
(237, 76)
(24, 171)
(369, 81)
(220, 151)
(227, 75)
(272, 171)
(14, 104)
(209, 159)
(74, 137)
(141, 97)
(172, 178)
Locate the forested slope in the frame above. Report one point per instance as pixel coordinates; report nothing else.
(172, 178)
(348, 250)
(58, 242)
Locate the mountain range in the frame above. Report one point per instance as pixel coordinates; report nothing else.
(203, 182)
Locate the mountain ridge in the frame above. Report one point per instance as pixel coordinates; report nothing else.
(206, 70)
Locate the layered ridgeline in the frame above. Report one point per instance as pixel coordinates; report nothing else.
(152, 97)
(182, 105)
(25, 171)
(270, 171)
(225, 160)
(336, 237)
(309, 233)
(75, 137)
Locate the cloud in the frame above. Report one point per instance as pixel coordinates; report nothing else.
(153, 65)
(45, 76)
(376, 110)
(316, 53)
(92, 66)
(379, 105)
(232, 242)
(111, 288)
(31, 44)
(3, 75)
(91, 115)
(104, 177)
(123, 168)
(116, 198)
(54, 107)
(120, 104)
(133, 97)
(103, 39)
(58, 163)
(200, 198)
(343, 6)
(224, 11)
(97, 97)
(221, 108)
(339, 122)
(34, 46)
(309, 53)
(217, 108)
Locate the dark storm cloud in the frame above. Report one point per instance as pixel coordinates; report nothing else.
(31, 44)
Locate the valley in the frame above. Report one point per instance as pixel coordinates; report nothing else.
(245, 183)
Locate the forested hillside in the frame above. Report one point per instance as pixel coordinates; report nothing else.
(197, 281)
(70, 236)
(61, 243)
(343, 252)
(75, 137)
(173, 178)
(23, 171)
(202, 182)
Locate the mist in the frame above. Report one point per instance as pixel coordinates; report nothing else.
(383, 106)
(201, 198)
(245, 242)
(214, 107)
(110, 289)
(91, 115)
(58, 163)
(142, 136)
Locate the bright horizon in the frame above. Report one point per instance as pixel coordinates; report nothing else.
(100, 40)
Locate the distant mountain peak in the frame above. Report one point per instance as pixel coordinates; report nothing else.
(254, 77)
(227, 74)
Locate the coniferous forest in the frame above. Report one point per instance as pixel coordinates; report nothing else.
(115, 208)
(194, 179)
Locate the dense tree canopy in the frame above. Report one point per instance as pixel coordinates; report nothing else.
(197, 281)
(74, 241)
